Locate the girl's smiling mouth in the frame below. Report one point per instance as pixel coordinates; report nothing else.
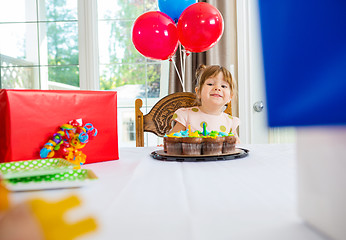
(215, 95)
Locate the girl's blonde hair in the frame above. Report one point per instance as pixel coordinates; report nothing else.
(204, 72)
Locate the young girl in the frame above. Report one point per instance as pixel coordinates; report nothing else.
(215, 88)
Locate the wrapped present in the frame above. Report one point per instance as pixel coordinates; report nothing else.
(29, 118)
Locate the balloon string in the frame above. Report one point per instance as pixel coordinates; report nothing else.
(181, 81)
(182, 65)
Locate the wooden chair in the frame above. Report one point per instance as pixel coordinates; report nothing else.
(159, 119)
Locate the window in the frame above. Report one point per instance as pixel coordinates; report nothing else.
(39, 44)
(122, 67)
(41, 48)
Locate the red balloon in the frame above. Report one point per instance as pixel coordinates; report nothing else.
(155, 35)
(200, 27)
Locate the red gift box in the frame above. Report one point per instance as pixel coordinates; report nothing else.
(29, 118)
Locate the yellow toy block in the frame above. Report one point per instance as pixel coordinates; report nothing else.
(51, 219)
(4, 202)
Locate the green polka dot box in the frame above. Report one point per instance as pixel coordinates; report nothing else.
(41, 174)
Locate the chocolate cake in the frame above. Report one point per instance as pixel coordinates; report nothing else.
(192, 145)
(212, 146)
(229, 144)
(198, 143)
(173, 145)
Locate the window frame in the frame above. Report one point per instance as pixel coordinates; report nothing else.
(89, 78)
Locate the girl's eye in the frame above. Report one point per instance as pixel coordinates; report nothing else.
(209, 84)
(224, 86)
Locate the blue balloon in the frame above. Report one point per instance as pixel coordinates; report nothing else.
(174, 8)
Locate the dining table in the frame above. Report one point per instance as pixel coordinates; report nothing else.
(138, 197)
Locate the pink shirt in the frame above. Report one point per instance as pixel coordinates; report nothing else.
(194, 117)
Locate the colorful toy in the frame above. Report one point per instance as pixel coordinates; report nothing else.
(51, 216)
(4, 201)
(67, 142)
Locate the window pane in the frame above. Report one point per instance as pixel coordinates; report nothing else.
(62, 10)
(18, 77)
(62, 74)
(126, 127)
(153, 83)
(62, 43)
(151, 5)
(120, 9)
(115, 43)
(18, 11)
(19, 41)
(128, 80)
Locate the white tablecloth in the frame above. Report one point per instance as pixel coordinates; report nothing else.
(140, 198)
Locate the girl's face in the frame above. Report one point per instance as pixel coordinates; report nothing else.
(215, 91)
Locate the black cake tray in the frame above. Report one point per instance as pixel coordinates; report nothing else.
(238, 153)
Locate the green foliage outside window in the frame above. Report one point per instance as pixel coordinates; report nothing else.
(126, 65)
(62, 40)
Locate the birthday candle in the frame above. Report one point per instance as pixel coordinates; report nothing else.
(204, 129)
(189, 127)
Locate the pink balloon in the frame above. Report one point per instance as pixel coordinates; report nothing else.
(200, 27)
(155, 35)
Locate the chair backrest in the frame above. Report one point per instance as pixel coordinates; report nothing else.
(159, 119)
